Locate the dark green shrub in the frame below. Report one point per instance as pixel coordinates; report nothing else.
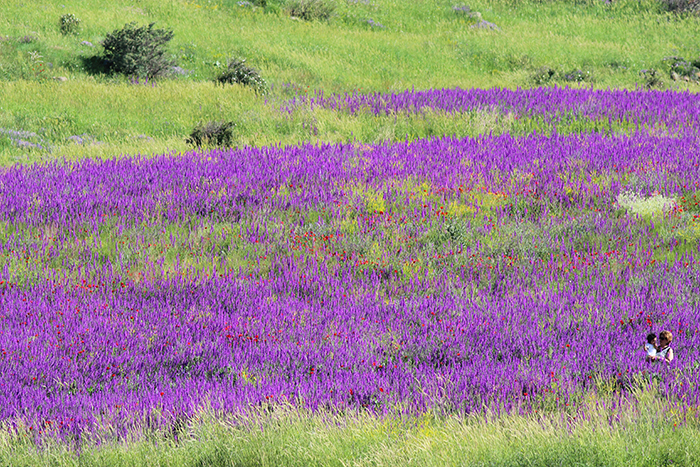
(310, 10)
(542, 75)
(577, 76)
(213, 134)
(137, 51)
(238, 72)
(684, 69)
(69, 24)
(682, 6)
(651, 79)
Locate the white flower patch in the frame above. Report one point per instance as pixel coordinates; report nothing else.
(654, 205)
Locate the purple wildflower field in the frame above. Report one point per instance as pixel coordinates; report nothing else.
(452, 275)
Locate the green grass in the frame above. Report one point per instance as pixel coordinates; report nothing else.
(648, 432)
(422, 45)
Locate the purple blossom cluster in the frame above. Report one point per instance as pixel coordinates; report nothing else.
(24, 139)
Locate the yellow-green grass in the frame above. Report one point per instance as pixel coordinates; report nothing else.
(647, 430)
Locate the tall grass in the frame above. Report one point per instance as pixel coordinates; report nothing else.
(646, 433)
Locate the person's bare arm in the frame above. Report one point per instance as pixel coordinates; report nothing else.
(669, 356)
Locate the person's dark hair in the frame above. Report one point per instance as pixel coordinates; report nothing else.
(650, 337)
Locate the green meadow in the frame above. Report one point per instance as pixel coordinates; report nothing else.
(68, 110)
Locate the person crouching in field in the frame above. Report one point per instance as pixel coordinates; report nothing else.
(663, 352)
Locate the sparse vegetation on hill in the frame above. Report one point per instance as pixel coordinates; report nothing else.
(310, 10)
(378, 45)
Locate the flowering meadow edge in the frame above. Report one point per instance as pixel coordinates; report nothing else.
(642, 107)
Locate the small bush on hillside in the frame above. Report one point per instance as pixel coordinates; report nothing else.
(138, 51)
(651, 78)
(69, 24)
(684, 69)
(682, 6)
(213, 134)
(542, 75)
(238, 72)
(577, 76)
(310, 10)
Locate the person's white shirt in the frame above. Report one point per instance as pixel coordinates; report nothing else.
(663, 354)
(650, 349)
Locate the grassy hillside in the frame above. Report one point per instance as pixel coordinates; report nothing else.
(379, 45)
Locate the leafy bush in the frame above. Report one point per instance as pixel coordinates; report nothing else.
(682, 6)
(238, 72)
(542, 75)
(214, 134)
(310, 10)
(577, 76)
(137, 51)
(684, 69)
(651, 79)
(69, 24)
